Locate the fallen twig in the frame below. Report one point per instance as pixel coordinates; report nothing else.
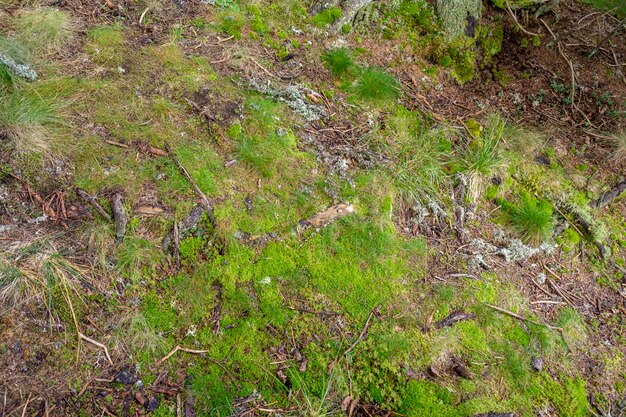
(508, 9)
(119, 213)
(321, 313)
(96, 343)
(94, 202)
(607, 197)
(203, 198)
(607, 37)
(26, 405)
(521, 318)
(559, 48)
(364, 331)
(81, 335)
(182, 349)
(207, 117)
(176, 249)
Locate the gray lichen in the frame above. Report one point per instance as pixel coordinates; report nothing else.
(513, 251)
(292, 95)
(21, 70)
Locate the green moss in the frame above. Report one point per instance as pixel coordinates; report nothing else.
(326, 17)
(568, 395)
(569, 239)
(424, 398)
(159, 315)
(232, 23)
(107, 45)
(490, 40)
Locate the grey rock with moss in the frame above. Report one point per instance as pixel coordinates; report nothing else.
(514, 250)
(295, 97)
(21, 70)
(459, 17)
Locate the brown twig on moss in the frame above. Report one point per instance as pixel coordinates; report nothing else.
(208, 206)
(364, 331)
(182, 349)
(521, 318)
(94, 202)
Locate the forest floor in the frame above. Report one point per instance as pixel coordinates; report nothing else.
(253, 207)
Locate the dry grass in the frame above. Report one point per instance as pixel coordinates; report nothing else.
(618, 145)
(44, 29)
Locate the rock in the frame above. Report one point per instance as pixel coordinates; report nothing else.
(20, 70)
(125, 377)
(295, 97)
(537, 364)
(153, 404)
(459, 17)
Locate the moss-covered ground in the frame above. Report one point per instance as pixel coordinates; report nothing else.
(275, 316)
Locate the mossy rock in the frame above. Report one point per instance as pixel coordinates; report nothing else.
(459, 17)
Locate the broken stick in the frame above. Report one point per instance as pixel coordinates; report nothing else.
(364, 331)
(208, 206)
(521, 318)
(121, 218)
(176, 349)
(94, 202)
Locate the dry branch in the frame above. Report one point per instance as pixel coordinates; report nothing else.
(182, 349)
(521, 318)
(208, 206)
(94, 202)
(364, 331)
(119, 213)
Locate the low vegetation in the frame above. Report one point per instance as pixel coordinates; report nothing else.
(317, 219)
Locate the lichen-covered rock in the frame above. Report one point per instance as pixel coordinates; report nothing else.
(21, 70)
(459, 17)
(294, 96)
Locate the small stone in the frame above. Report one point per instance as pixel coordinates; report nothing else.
(139, 384)
(153, 404)
(537, 364)
(541, 278)
(125, 377)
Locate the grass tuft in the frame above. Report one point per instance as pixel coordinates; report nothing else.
(533, 219)
(618, 143)
(45, 28)
(339, 61)
(482, 155)
(25, 120)
(376, 85)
